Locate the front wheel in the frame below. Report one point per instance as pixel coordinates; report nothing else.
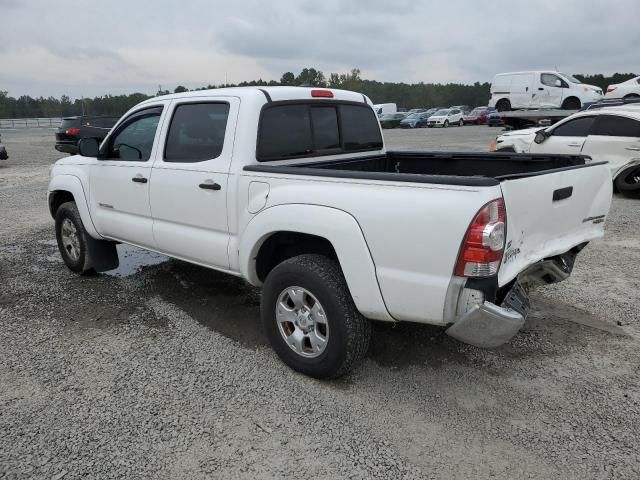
(461, 123)
(446, 123)
(310, 319)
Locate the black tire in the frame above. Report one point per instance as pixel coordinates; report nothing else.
(445, 124)
(503, 105)
(461, 123)
(92, 255)
(628, 182)
(571, 103)
(349, 332)
(632, 96)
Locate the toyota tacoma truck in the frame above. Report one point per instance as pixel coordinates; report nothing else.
(293, 190)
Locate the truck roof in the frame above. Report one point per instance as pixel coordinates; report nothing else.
(269, 93)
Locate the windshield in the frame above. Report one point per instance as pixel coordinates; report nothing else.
(442, 112)
(478, 111)
(571, 78)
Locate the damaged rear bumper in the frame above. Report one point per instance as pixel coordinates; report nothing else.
(486, 319)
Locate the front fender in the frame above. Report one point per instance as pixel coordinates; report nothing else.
(339, 228)
(73, 185)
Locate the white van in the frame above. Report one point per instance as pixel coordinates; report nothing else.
(385, 108)
(540, 89)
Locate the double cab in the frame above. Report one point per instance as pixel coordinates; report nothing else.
(293, 190)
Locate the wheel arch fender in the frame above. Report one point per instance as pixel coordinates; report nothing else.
(72, 185)
(336, 226)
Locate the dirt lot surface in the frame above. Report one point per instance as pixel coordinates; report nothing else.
(160, 369)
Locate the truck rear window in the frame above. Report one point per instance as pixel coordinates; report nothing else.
(314, 129)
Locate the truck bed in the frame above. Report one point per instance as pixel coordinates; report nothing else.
(469, 169)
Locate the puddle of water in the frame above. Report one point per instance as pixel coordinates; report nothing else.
(133, 259)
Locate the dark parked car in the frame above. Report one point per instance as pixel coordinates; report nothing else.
(3, 151)
(416, 120)
(478, 116)
(73, 129)
(494, 119)
(392, 120)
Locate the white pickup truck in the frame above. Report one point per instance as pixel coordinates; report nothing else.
(292, 189)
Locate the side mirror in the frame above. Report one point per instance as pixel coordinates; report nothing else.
(541, 136)
(88, 147)
(558, 83)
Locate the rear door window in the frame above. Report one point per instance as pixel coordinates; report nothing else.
(196, 133)
(580, 127)
(614, 126)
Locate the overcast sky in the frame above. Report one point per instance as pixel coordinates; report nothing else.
(85, 48)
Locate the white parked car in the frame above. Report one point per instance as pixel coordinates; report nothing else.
(540, 89)
(293, 190)
(607, 135)
(446, 117)
(628, 90)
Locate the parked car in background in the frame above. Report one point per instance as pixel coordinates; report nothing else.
(73, 129)
(392, 120)
(385, 109)
(417, 110)
(3, 151)
(293, 190)
(628, 90)
(445, 118)
(494, 119)
(477, 116)
(415, 120)
(540, 89)
(606, 135)
(465, 108)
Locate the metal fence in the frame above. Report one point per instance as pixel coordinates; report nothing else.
(30, 122)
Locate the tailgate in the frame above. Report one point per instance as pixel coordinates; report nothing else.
(551, 213)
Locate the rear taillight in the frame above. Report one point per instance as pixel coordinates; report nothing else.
(72, 131)
(481, 252)
(611, 89)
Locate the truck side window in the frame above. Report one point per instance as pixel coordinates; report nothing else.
(580, 127)
(196, 133)
(614, 126)
(134, 140)
(285, 131)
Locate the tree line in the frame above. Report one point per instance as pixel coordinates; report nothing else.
(404, 94)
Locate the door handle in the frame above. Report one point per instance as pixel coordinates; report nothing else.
(633, 148)
(139, 180)
(210, 186)
(574, 145)
(541, 89)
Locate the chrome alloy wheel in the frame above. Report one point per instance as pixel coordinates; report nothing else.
(302, 322)
(70, 240)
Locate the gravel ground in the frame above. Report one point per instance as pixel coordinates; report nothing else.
(160, 370)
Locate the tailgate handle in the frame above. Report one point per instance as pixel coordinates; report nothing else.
(562, 194)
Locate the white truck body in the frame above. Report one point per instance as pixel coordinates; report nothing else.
(540, 89)
(396, 224)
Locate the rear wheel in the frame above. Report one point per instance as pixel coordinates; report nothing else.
(632, 96)
(628, 182)
(503, 105)
(310, 319)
